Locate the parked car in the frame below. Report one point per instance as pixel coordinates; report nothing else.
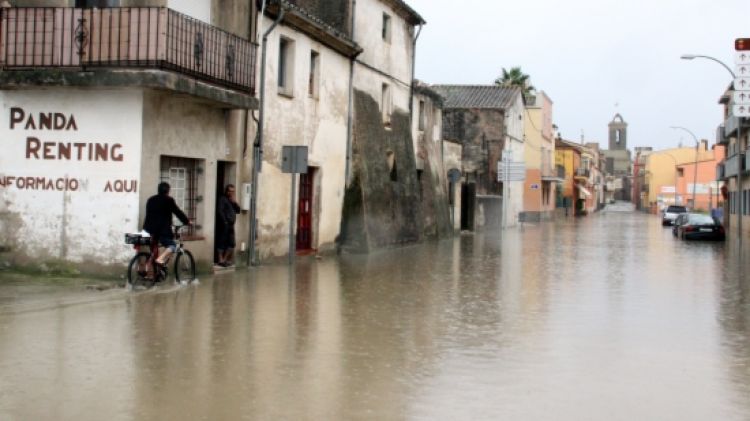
(698, 226)
(670, 214)
(681, 219)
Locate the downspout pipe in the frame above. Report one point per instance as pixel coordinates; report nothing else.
(258, 146)
(350, 116)
(413, 73)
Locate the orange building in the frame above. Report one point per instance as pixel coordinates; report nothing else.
(707, 194)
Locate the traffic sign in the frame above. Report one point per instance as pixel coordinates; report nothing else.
(742, 110)
(741, 97)
(742, 57)
(515, 171)
(742, 70)
(742, 83)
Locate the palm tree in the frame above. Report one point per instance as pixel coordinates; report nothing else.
(515, 77)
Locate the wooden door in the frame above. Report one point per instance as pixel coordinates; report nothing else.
(304, 210)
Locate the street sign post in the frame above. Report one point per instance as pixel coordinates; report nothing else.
(293, 161)
(741, 94)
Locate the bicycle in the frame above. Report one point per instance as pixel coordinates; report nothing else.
(143, 269)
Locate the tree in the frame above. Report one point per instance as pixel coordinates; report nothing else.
(515, 77)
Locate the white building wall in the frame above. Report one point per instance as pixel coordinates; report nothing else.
(198, 9)
(298, 119)
(72, 207)
(180, 127)
(392, 58)
(514, 123)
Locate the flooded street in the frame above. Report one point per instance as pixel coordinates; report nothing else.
(600, 318)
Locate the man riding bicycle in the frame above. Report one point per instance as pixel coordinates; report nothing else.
(158, 222)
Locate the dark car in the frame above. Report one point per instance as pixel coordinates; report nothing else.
(670, 214)
(697, 226)
(681, 219)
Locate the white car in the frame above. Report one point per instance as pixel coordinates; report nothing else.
(670, 214)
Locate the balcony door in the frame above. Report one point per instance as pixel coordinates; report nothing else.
(97, 3)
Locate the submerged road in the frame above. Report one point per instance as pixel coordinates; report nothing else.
(599, 318)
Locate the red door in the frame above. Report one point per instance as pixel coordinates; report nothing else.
(304, 210)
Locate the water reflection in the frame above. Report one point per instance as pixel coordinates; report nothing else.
(606, 317)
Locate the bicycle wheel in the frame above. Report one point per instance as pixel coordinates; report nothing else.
(184, 267)
(138, 270)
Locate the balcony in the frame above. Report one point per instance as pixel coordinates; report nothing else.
(721, 137)
(128, 37)
(734, 165)
(583, 173)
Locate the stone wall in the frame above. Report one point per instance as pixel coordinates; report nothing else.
(481, 133)
(381, 206)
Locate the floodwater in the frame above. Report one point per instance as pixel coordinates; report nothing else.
(599, 318)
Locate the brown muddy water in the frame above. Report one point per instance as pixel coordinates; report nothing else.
(602, 318)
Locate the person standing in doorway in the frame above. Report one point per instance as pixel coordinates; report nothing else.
(226, 215)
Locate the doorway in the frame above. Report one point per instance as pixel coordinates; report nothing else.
(225, 174)
(468, 200)
(305, 210)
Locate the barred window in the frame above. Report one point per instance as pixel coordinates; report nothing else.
(182, 176)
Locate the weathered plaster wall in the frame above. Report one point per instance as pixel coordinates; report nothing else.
(382, 203)
(393, 57)
(181, 127)
(319, 122)
(198, 9)
(427, 145)
(234, 16)
(59, 198)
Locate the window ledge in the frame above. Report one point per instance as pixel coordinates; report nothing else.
(286, 94)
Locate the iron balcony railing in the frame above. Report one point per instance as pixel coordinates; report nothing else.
(582, 172)
(140, 37)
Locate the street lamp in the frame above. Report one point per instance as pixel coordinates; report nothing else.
(695, 174)
(676, 175)
(694, 56)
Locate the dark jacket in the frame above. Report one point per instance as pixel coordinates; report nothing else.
(159, 210)
(227, 211)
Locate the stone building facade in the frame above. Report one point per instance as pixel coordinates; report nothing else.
(487, 120)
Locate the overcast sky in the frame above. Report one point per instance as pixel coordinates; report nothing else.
(594, 58)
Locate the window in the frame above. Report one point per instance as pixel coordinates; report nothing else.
(386, 27)
(314, 77)
(680, 172)
(182, 176)
(286, 66)
(386, 104)
(421, 121)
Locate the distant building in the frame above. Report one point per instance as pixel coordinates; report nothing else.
(669, 176)
(488, 121)
(618, 158)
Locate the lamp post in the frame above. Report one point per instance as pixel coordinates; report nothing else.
(739, 141)
(694, 56)
(676, 175)
(695, 173)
